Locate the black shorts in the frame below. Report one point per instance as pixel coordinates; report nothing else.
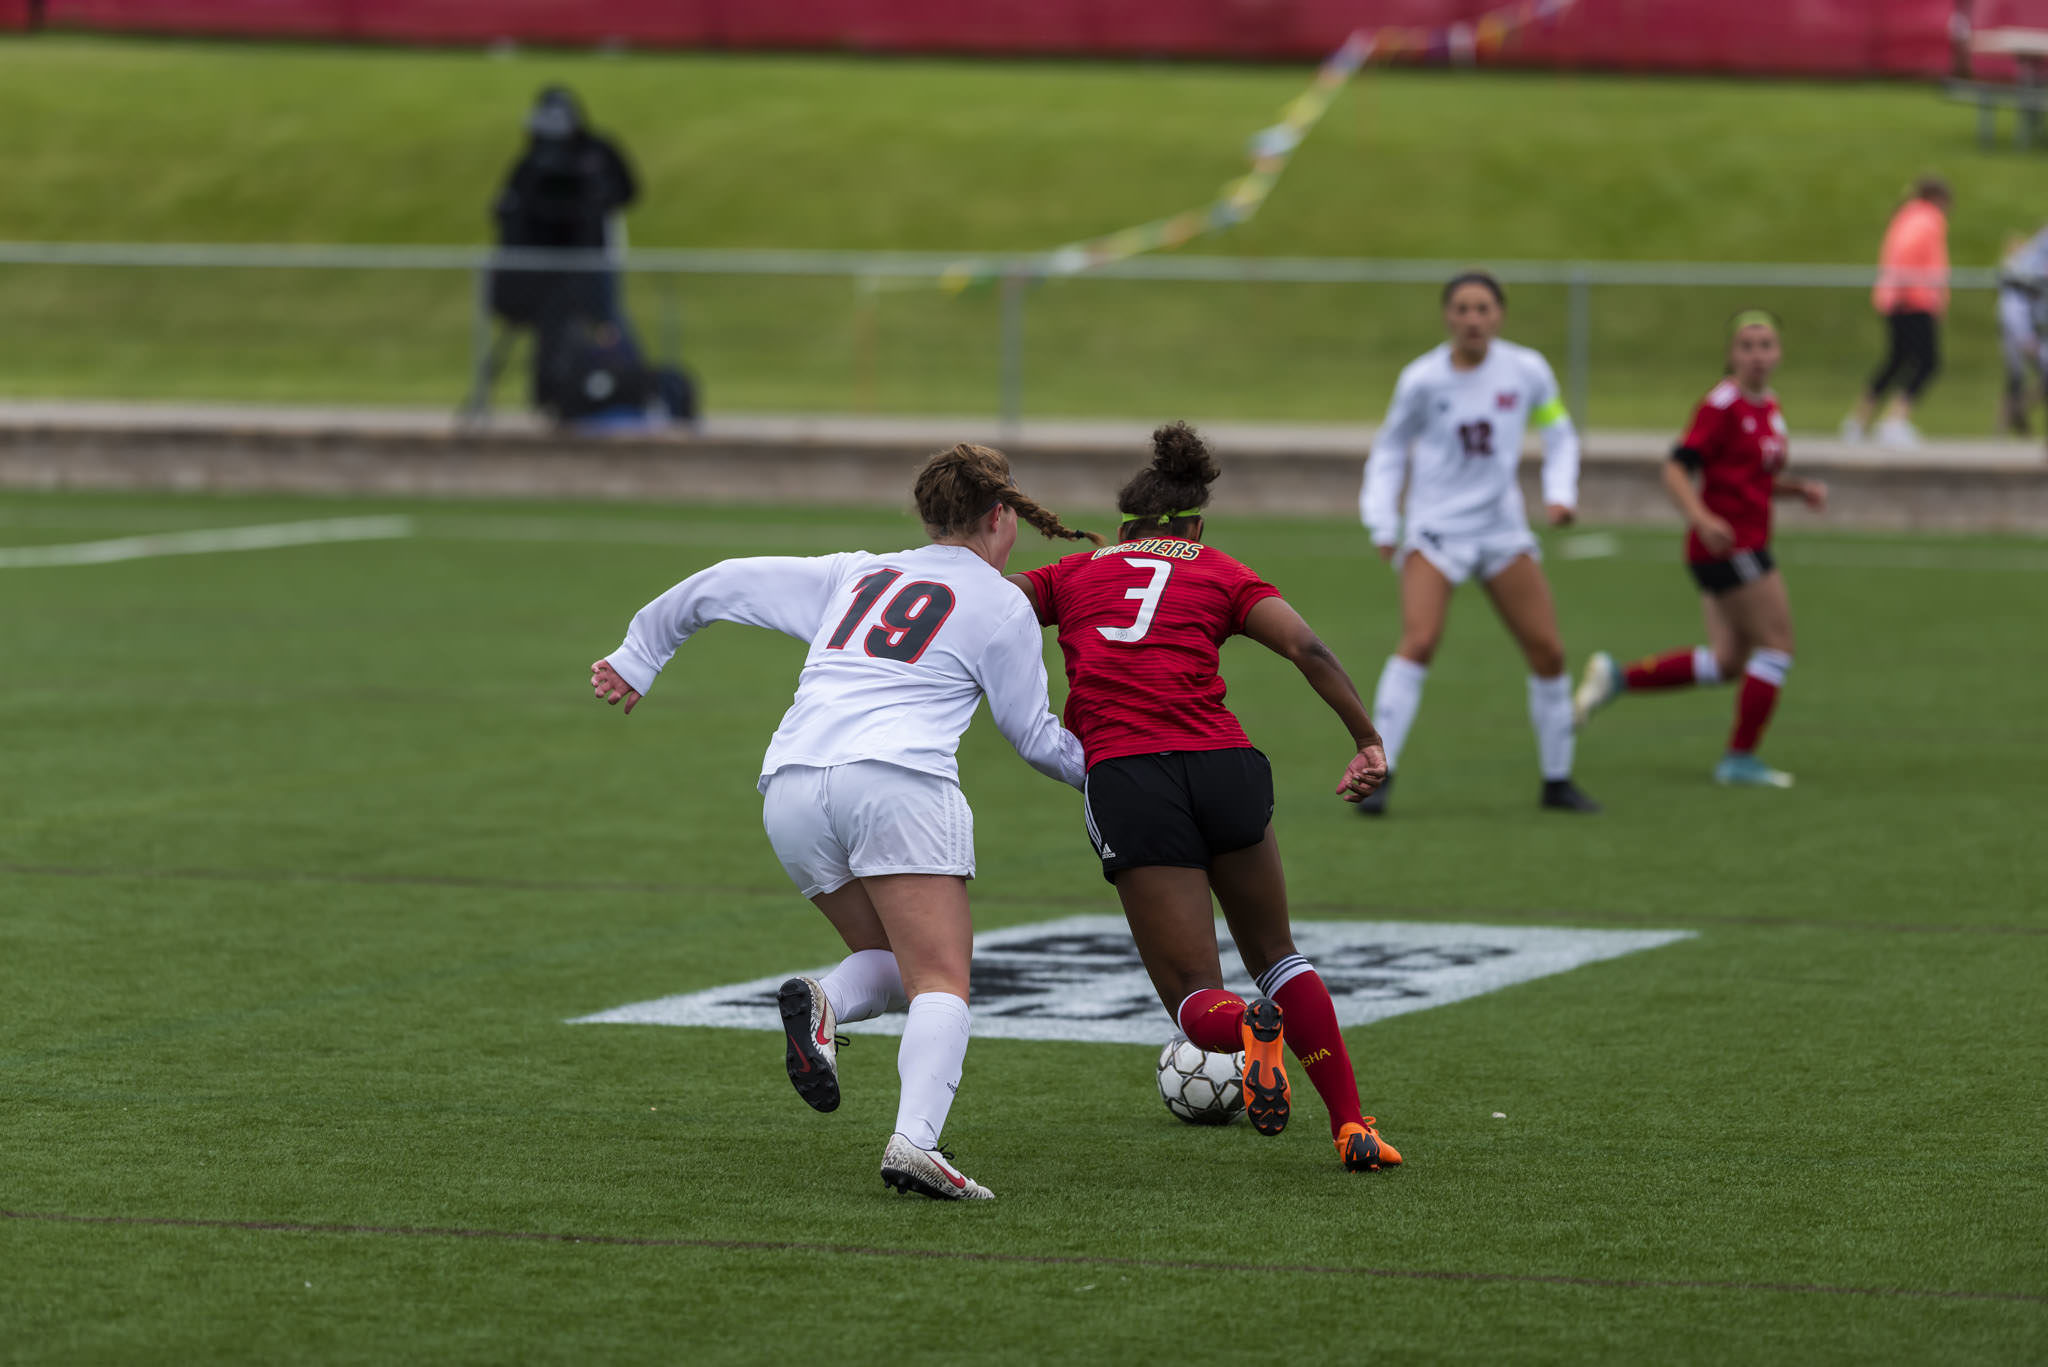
(1743, 567)
(1180, 809)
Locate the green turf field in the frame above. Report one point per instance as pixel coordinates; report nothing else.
(309, 853)
(160, 141)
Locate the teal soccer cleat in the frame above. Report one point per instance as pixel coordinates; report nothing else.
(1747, 771)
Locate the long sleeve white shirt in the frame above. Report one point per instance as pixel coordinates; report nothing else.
(1454, 437)
(903, 647)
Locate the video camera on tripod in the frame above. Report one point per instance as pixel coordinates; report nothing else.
(560, 236)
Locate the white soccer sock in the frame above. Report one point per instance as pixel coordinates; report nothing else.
(1705, 668)
(1395, 702)
(1550, 712)
(866, 983)
(929, 1063)
(1771, 666)
(1283, 973)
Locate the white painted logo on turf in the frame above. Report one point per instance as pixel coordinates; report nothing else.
(1080, 978)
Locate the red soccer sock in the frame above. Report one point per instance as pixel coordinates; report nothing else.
(1310, 1019)
(1752, 713)
(1210, 1019)
(1673, 669)
(1760, 684)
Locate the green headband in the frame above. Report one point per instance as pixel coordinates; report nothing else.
(1750, 318)
(1161, 517)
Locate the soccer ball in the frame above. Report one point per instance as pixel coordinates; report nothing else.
(1201, 1088)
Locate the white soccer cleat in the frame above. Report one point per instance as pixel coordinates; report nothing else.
(906, 1167)
(813, 1053)
(1598, 686)
(1853, 431)
(1898, 434)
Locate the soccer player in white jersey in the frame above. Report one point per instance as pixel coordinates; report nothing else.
(861, 791)
(1454, 437)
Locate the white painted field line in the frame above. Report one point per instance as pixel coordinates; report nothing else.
(2007, 555)
(1957, 559)
(258, 538)
(600, 531)
(1986, 559)
(1591, 546)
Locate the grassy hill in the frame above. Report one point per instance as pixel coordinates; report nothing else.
(161, 141)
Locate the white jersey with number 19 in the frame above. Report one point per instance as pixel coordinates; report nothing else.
(1457, 437)
(903, 648)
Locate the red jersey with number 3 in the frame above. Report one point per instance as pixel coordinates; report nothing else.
(1740, 443)
(1140, 624)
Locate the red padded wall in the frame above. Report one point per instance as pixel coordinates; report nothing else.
(1841, 37)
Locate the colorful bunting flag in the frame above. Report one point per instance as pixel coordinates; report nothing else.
(1270, 148)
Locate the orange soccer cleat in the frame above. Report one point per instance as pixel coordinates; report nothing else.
(1362, 1149)
(1265, 1071)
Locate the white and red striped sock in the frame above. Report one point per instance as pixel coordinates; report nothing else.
(1761, 681)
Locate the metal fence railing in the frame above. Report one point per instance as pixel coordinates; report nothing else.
(1592, 315)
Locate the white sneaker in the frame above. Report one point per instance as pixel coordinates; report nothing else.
(1598, 686)
(1853, 431)
(1898, 432)
(813, 1054)
(906, 1167)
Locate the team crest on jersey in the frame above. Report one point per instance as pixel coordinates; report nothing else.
(1506, 400)
(1080, 978)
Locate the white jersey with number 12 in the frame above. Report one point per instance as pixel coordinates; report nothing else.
(1457, 436)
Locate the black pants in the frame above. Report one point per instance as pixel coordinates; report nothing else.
(1914, 357)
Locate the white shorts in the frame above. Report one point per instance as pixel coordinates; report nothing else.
(863, 820)
(1466, 557)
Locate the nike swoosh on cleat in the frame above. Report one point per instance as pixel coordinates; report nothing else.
(803, 1061)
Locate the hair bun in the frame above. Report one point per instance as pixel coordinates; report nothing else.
(1179, 454)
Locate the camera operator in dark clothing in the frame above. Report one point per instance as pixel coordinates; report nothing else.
(562, 192)
(565, 193)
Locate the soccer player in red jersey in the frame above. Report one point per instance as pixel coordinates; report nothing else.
(1736, 449)
(1178, 803)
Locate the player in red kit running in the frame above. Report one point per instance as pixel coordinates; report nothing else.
(1178, 803)
(1736, 448)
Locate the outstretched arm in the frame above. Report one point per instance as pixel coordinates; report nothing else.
(1280, 629)
(1379, 497)
(1011, 672)
(1560, 464)
(784, 593)
(1553, 423)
